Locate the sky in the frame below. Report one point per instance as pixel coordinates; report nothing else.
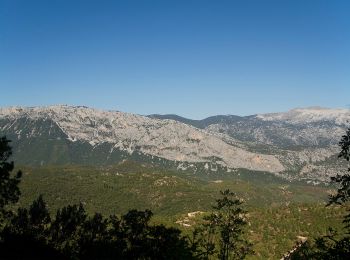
(191, 58)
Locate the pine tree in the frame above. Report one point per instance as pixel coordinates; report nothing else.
(9, 191)
(222, 234)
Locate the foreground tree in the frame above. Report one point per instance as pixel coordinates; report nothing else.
(343, 194)
(26, 234)
(333, 245)
(72, 234)
(222, 234)
(9, 191)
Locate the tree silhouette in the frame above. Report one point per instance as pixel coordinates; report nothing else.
(343, 193)
(9, 191)
(72, 234)
(66, 229)
(15, 240)
(167, 243)
(33, 222)
(145, 241)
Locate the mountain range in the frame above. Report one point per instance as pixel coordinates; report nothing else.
(300, 144)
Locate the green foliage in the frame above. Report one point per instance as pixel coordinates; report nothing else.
(39, 214)
(330, 246)
(74, 235)
(345, 145)
(334, 245)
(343, 193)
(275, 206)
(116, 189)
(274, 231)
(9, 191)
(221, 234)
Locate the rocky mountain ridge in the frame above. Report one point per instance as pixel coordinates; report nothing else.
(298, 144)
(166, 139)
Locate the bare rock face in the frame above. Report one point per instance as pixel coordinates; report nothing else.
(309, 115)
(307, 127)
(163, 138)
(298, 144)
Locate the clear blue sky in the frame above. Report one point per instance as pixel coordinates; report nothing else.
(192, 58)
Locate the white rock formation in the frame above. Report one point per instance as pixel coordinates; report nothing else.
(163, 138)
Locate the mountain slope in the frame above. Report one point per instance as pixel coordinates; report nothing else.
(129, 134)
(297, 145)
(301, 127)
(228, 119)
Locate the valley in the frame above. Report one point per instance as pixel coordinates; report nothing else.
(274, 205)
(279, 164)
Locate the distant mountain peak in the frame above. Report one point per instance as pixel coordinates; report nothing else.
(340, 116)
(300, 140)
(128, 132)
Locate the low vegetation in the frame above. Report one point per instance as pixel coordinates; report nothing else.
(335, 244)
(63, 223)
